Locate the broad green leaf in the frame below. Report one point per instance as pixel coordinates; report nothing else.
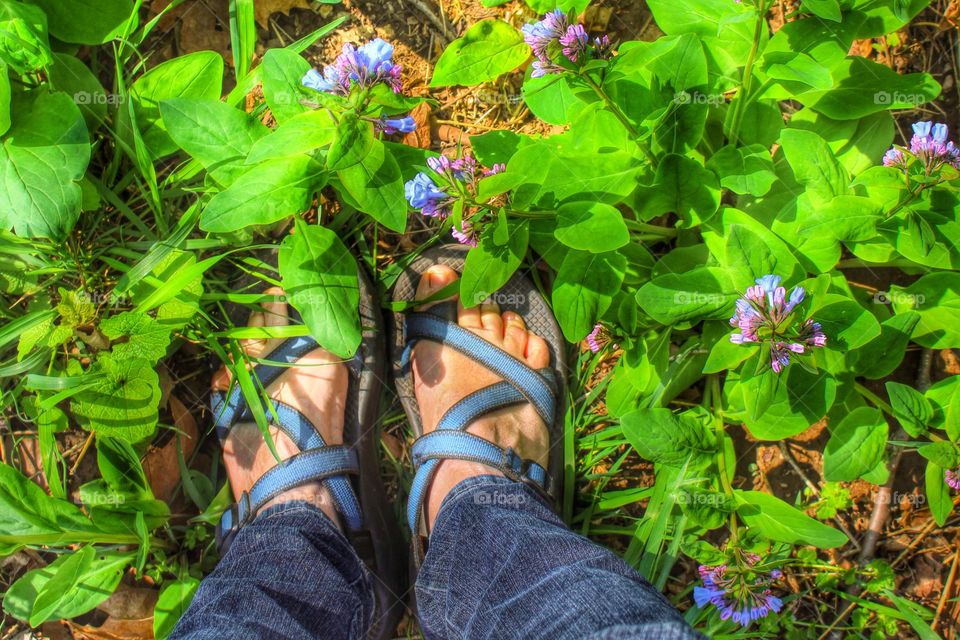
(320, 281)
(681, 186)
(862, 87)
(28, 516)
(99, 575)
(496, 146)
(489, 265)
(661, 436)
(943, 454)
(137, 335)
(72, 76)
(938, 493)
(268, 192)
(743, 170)
(209, 130)
(42, 159)
(748, 249)
(24, 44)
(584, 289)
(910, 407)
(300, 134)
(488, 49)
(814, 164)
(846, 324)
(352, 141)
(846, 218)
(704, 292)
(194, 75)
(122, 401)
(547, 177)
(779, 406)
(780, 522)
(944, 397)
(826, 9)
(727, 355)
(936, 297)
(882, 355)
(796, 71)
(375, 187)
(87, 21)
(174, 599)
(591, 226)
(281, 72)
(858, 144)
(556, 98)
(856, 445)
(725, 29)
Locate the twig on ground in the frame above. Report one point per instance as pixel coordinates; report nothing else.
(946, 589)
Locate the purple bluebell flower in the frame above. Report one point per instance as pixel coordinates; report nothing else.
(362, 66)
(952, 478)
(594, 338)
(735, 596)
(574, 42)
(542, 68)
(498, 167)
(440, 164)
(422, 193)
(764, 313)
(465, 234)
(540, 34)
(389, 126)
(929, 145)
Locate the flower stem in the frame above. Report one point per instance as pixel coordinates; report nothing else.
(744, 97)
(714, 400)
(652, 229)
(874, 399)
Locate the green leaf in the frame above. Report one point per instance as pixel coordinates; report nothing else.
(796, 71)
(704, 292)
(70, 586)
(70, 75)
(300, 134)
(496, 147)
(775, 519)
(320, 280)
(281, 73)
(375, 187)
(938, 493)
(910, 407)
(882, 355)
(209, 130)
(4, 99)
(490, 265)
(352, 142)
(856, 445)
(42, 159)
(555, 98)
(862, 87)
(943, 454)
(936, 297)
(846, 324)
(28, 516)
(174, 599)
(194, 75)
(488, 49)
(682, 186)
(591, 226)
(24, 44)
(814, 164)
(86, 21)
(139, 336)
(727, 355)
(846, 218)
(779, 406)
(826, 9)
(122, 401)
(661, 436)
(743, 170)
(584, 289)
(944, 397)
(268, 192)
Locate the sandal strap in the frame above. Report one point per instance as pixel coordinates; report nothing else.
(429, 450)
(538, 389)
(328, 464)
(450, 440)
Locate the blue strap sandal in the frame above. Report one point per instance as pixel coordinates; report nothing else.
(520, 384)
(350, 471)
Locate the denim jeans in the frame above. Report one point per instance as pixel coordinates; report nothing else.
(500, 564)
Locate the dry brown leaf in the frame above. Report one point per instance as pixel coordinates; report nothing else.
(161, 464)
(263, 9)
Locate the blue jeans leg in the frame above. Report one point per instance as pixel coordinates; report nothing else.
(501, 564)
(290, 573)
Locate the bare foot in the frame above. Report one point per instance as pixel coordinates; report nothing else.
(316, 386)
(443, 376)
